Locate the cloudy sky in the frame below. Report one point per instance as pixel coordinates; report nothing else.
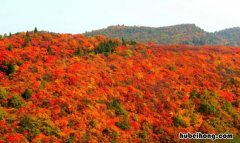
(77, 16)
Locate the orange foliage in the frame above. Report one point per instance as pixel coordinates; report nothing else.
(142, 92)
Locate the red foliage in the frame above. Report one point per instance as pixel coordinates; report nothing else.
(141, 92)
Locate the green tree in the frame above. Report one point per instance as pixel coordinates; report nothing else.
(78, 52)
(131, 42)
(2, 113)
(8, 68)
(49, 50)
(30, 124)
(178, 121)
(194, 94)
(119, 109)
(48, 127)
(3, 93)
(15, 102)
(124, 42)
(71, 138)
(27, 39)
(35, 30)
(26, 94)
(124, 124)
(10, 47)
(209, 103)
(106, 47)
(207, 109)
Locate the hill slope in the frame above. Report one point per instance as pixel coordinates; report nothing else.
(178, 34)
(170, 34)
(71, 88)
(231, 35)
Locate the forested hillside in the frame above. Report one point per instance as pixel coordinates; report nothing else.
(232, 35)
(71, 88)
(178, 34)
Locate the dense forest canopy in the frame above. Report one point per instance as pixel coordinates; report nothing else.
(73, 88)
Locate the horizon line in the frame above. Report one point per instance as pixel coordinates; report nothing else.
(165, 26)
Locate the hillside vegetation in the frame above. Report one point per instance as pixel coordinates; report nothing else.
(178, 34)
(72, 88)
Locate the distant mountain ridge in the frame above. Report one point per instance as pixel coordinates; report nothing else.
(177, 34)
(232, 35)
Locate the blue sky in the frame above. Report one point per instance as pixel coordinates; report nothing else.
(77, 16)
